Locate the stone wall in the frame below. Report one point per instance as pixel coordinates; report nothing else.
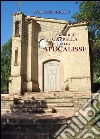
(24, 73)
(75, 64)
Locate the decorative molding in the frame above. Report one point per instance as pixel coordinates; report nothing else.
(72, 24)
(29, 20)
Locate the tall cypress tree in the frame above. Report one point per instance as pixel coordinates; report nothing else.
(6, 64)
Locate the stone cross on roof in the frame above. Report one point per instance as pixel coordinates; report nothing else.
(19, 3)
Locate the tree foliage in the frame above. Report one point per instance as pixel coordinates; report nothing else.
(90, 11)
(5, 64)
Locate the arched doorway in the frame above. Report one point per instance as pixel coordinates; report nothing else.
(51, 75)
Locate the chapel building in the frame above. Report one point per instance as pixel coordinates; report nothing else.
(49, 55)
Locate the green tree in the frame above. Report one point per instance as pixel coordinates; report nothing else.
(6, 64)
(90, 11)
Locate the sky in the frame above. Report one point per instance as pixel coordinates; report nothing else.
(67, 9)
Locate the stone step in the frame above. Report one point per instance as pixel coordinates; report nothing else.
(33, 99)
(45, 108)
(29, 106)
(40, 110)
(39, 98)
(65, 111)
(3, 111)
(64, 108)
(53, 97)
(37, 104)
(60, 104)
(47, 100)
(58, 100)
(47, 94)
(49, 110)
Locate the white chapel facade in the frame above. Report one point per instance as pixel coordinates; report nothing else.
(49, 55)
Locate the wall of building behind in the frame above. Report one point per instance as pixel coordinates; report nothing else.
(75, 64)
